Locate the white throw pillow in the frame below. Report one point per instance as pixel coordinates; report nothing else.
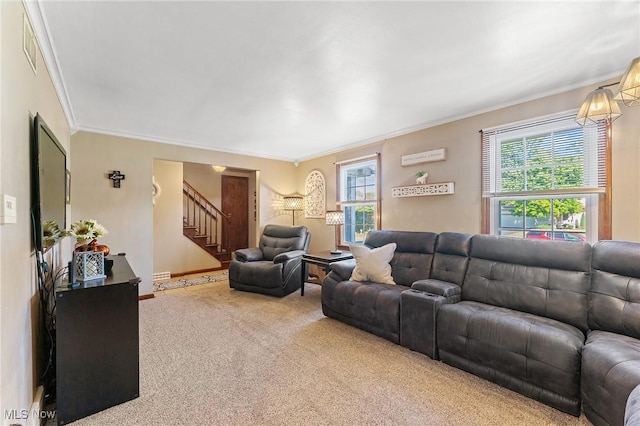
(373, 264)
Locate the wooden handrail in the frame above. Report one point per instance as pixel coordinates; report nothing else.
(195, 191)
(201, 214)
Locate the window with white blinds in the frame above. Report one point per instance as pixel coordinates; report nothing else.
(359, 191)
(551, 154)
(546, 178)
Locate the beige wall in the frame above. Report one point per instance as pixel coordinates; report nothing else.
(461, 211)
(127, 212)
(22, 95)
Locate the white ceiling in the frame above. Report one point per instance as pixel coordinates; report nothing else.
(295, 80)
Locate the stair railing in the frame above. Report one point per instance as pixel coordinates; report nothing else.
(199, 213)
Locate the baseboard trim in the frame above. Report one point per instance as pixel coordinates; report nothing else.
(197, 271)
(146, 296)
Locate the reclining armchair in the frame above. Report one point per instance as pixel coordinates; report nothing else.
(273, 268)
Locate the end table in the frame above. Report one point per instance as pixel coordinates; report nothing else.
(321, 258)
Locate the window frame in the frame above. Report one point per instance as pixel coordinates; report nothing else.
(598, 201)
(591, 209)
(341, 203)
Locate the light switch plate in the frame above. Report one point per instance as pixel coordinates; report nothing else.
(9, 211)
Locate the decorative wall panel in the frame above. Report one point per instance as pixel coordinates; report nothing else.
(314, 188)
(440, 188)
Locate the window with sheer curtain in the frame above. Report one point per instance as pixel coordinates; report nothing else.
(359, 197)
(546, 178)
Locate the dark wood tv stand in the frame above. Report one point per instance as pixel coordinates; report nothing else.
(97, 343)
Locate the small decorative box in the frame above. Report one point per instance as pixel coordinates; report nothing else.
(89, 265)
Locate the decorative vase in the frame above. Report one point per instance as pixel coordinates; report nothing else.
(101, 247)
(92, 246)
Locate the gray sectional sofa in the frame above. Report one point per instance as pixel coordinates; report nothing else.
(611, 355)
(375, 307)
(556, 321)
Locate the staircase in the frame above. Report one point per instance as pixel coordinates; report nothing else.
(202, 224)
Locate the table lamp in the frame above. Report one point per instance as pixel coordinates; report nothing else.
(335, 218)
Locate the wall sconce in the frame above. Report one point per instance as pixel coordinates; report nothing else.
(602, 105)
(335, 218)
(293, 203)
(219, 169)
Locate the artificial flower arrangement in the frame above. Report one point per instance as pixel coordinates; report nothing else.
(86, 230)
(86, 233)
(50, 233)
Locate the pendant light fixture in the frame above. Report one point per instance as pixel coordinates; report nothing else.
(629, 89)
(601, 105)
(598, 105)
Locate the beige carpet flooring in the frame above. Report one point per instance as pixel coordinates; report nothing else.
(210, 355)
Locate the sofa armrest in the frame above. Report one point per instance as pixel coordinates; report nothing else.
(418, 313)
(248, 254)
(343, 269)
(440, 288)
(288, 255)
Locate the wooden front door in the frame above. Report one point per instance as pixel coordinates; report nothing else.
(235, 203)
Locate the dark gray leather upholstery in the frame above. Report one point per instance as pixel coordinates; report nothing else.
(632, 410)
(448, 268)
(413, 256)
(521, 319)
(369, 306)
(419, 310)
(273, 268)
(451, 257)
(547, 278)
(375, 307)
(614, 303)
(610, 371)
(535, 356)
(524, 309)
(611, 356)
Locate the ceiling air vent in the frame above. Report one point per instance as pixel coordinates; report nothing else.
(29, 43)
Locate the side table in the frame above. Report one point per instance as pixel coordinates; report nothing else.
(323, 259)
(97, 343)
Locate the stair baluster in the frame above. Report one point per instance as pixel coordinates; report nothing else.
(202, 221)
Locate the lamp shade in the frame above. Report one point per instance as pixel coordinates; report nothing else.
(598, 105)
(334, 217)
(292, 203)
(629, 88)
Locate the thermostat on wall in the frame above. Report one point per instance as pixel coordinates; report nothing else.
(8, 213)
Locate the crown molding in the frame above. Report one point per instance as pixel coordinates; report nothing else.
(179, 142)
(40, 27)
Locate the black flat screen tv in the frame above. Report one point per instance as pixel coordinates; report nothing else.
(48, 180)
